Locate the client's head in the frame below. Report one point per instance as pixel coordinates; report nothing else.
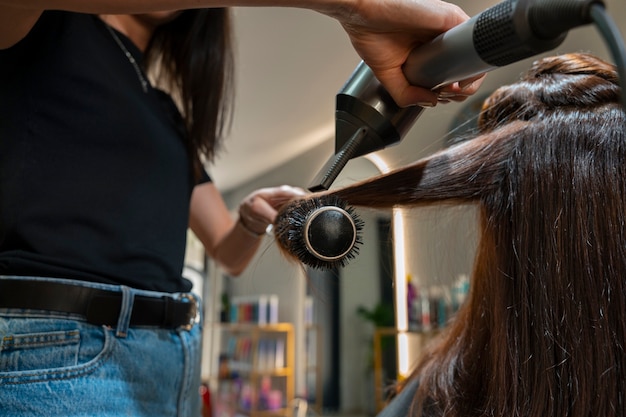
(543, 330)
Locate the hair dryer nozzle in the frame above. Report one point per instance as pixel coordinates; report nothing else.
(364, 102)
(366, 120)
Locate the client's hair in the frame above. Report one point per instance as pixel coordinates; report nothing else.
(543, 331)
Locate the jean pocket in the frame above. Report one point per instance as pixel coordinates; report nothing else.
(32, 351)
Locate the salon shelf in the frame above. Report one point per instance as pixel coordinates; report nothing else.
(256, 375)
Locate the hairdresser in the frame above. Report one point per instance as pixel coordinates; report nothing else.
(109, 110)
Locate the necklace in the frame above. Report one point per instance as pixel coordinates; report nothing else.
(131, 59)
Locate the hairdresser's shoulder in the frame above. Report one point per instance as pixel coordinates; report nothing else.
(15, 23)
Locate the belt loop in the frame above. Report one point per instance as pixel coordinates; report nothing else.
(168, 312)
(126, 310)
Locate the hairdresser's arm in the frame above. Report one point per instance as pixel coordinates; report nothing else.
(233, 243)
(224, 239)
(383, 32)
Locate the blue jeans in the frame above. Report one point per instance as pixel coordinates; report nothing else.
(52, 364)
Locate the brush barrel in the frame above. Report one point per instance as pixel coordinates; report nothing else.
(330, 233)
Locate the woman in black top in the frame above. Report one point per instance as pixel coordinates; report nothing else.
(101, 173)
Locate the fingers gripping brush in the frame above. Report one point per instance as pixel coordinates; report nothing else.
(321, 232)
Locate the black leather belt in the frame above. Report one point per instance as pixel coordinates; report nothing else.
(97, 306)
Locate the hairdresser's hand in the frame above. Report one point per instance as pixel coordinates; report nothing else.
(383, 32)
(258, 210)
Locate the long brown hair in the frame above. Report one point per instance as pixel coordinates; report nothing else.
(194, 52)
(543, 331)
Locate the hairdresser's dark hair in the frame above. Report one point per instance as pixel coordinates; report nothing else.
(543, 331)
(194, 52)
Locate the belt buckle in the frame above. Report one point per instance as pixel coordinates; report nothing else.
(194, 312)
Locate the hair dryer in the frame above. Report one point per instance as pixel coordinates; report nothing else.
(367, 118)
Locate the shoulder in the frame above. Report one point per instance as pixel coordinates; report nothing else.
(15, 24)
(401, 404)
(17, 27)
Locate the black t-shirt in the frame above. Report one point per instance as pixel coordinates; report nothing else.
(95, 178)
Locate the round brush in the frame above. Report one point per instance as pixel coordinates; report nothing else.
(321, 232)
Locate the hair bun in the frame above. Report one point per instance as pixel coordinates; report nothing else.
(569, 82)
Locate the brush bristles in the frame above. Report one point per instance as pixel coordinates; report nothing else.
(291, 224)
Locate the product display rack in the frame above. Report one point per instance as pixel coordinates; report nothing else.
(256, 370)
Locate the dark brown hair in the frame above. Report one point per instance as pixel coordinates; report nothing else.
(195, 54)
(543, 331)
